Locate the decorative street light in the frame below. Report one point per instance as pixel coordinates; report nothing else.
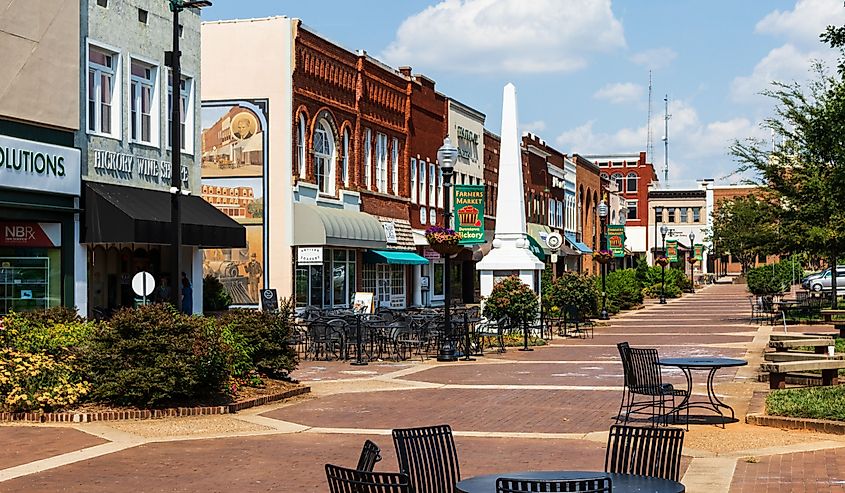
(658, 216)
(623, 218)
(446, 155)
(172, 58)
(692, 263)
(602, 210)
(663, 231)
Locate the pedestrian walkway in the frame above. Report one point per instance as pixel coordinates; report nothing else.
(546, 409)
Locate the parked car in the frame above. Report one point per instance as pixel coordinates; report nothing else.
(823, 282)
(805, 281)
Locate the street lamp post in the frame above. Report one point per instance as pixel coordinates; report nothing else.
(663, 231)
(692, 263)
(446, 155)
(172, 58)
(658, 216)
(623, 218)
(602, 210)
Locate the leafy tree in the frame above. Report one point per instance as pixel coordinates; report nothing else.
(513, 299)
(744, 227)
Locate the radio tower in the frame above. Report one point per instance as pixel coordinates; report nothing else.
(666, 140)
(649, 144)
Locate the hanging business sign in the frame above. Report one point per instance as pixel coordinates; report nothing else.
(616, 239)
(672, 250)
(469, 213)
(309, 255)
(30, 234)
(698, 251)
(30, 165)
(390, 232)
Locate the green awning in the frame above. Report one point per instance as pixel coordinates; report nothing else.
(536, 249)
(394, 257)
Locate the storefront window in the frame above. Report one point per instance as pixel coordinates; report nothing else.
(438, 279)
(329, 285)
(386, 282)
(30, 279)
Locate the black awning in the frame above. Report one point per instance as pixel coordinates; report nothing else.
(117, 214)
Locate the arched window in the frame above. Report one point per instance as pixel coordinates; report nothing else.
(324, 157)
(345, 164)
(300, 146)
(632, 182)
(616, 182)
(604, 176)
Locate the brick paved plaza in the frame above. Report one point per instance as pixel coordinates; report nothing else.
(547, 409)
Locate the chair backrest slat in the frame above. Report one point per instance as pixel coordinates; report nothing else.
(344, 480)
(645, 371)
(625, 355)
(581, 485)
(429, 457)
(645, 451)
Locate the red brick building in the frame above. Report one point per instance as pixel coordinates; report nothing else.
(588, 195)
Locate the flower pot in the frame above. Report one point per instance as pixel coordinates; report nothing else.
(446, 248)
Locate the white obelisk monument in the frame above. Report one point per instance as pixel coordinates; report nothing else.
(510, 254)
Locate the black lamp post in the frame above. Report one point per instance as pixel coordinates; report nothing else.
(623, 218)
(692, 263)
(658, 216)
(602, 210)
(446, 156)
(172, 58)
(663, 231)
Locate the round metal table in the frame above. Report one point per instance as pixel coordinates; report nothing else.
(712, 365)
(621, 483)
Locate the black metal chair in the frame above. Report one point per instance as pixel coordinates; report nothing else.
(343, 480)
(585, 485)
(627, 372)
(370, 455)
(645, 451)
(429, 457)
(645, 380)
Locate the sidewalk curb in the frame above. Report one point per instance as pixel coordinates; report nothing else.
(173, 412)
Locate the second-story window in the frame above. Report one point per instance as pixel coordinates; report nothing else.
(368, 158)
(324, 157)
(552, 214)
(413, 171)
(394, 166)
(423, 193)
(616, 182)
(141, 103)
(683, 214)
(432, 185)
(300, 146)
(440, 190)
(345, 158)
(632, 209)
(632, 182)
(102, 91)
(671, 215)
(184, 109)
(696, 214)
(381, 162)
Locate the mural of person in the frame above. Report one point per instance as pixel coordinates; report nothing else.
(253, 270)
(243, 126)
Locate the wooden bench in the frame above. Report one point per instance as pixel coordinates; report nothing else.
(839, 325)
(777, 371)
(819, 344)
(785, 356)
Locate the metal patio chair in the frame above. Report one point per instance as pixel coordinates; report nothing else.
(585, 485)
(429, 458)
(645, 451)
(370, 455)
(645, 382)
(344, 480)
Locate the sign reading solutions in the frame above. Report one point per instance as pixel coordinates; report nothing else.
(309, 255)
(469, 213)
(672, 250)
(698, 251)
(616, 239)
(29, 165)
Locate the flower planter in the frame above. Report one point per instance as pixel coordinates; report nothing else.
(662, 261)
(603, 256)
(446, 248)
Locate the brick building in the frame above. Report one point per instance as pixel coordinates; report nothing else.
(588, 195)
(724, 265)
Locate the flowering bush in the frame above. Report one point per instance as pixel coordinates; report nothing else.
(442, 236)
(37, 382)
(603, 256)
(513, 299)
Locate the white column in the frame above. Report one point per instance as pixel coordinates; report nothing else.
(417, 292)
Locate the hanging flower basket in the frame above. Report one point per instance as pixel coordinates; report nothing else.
(603, 256)
(443, 240)
(662, 261)
(692, 260)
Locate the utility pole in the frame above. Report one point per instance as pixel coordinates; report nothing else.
(666, 140)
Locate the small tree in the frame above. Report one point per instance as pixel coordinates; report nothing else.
(513, 299)
(746, 228)
(572, 292)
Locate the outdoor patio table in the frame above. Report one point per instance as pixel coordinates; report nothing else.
(622, 483)
(687, 365)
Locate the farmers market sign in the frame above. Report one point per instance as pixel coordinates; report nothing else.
(616, 239)
(469, 213)
(672, 250)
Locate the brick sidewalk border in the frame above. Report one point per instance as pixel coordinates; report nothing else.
(817, 425)
(72, 417)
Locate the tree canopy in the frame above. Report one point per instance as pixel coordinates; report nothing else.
(745, 227)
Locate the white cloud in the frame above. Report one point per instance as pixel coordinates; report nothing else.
(655, 58)
(786, 63)
(620, 92)
(805, 22)
(494, 36)
(533, 127)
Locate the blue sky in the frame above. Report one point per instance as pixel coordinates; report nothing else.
(581, 66)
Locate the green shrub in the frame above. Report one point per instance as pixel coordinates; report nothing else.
(676, 282)
(772, 278)
(624, 290)
(153, 355)
(56, 331)
(571, 291)
(513, 299)
(266, 335)
(214, 295)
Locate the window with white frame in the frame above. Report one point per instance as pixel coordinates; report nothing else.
(368, 158)
(616, 182)
(185, 136)
(684, 215)
(345, 158)
(324, 157)
(142, 106)
(632, 182)
(440, 190)
(103, 92)
(413, 170)
(394, 166)
(696, 214)
(632, 209)
(432, 185)
(560, 206)
(423, 174)
(552, 214)
(381, 162)
(300, 146)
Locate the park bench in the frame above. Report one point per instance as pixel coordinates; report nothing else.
(786, 356)
(784, 342)
(778, 371)
(839, 325)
